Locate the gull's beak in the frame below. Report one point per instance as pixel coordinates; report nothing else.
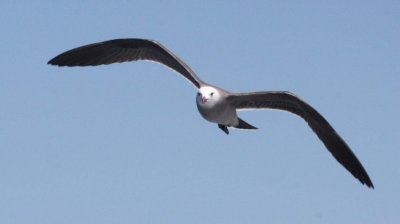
(203, 99)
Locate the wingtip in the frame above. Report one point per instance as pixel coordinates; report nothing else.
(370, 185)
(52, 62)
(367, 181)
(59, 63)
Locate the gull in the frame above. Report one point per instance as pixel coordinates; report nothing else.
(216, 104)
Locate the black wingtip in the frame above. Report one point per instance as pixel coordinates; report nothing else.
(368, 182)
(369, 185)
(358, 171)
(51, 62)
(54, 61)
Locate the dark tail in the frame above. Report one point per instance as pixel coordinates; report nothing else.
(244, 125)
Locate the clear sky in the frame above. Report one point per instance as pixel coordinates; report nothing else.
(125, 144)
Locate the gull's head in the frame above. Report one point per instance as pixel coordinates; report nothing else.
(207, 96)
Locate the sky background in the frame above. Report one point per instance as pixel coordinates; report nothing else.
(125, 143)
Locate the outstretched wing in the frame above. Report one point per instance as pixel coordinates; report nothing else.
(289, 102)
(123, 50)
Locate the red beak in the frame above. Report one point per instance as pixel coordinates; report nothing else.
(203, 99)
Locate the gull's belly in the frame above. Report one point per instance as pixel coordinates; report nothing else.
(220, 114)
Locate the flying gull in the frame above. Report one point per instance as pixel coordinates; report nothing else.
(215, 104)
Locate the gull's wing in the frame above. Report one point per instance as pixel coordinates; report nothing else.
(291, 103)
(123, 50)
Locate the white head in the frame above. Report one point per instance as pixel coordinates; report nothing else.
(208, 96)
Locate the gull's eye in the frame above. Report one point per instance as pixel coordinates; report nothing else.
(212, 94)
(198, 94)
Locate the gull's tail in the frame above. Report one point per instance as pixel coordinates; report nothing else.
(244, 125)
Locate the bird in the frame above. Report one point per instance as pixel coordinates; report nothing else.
(215, 104)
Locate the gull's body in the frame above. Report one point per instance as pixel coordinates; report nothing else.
(215, 104)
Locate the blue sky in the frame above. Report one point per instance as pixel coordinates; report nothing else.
(125, 144)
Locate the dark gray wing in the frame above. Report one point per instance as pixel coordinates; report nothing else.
(291, 103)
(123, 50)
